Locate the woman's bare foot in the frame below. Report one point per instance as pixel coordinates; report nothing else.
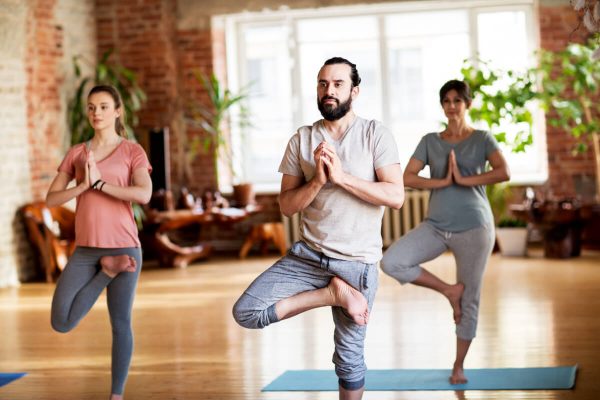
(349, 298)
(114, 265)
(458, 376)
(454, 294)
(116, 397)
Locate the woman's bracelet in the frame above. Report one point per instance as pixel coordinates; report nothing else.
(101, 186)
(96, 183)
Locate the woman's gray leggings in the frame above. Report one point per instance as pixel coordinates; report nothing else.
(77, 290)
(471, 250)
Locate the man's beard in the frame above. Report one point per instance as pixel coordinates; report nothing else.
(333, 112)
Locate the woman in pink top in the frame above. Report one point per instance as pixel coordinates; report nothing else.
(110, 173)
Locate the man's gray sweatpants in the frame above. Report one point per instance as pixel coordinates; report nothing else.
(304, 269)
(78, 288)
(471, 250)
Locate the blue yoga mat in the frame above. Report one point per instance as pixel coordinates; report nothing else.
(5, 379)
(432, 379)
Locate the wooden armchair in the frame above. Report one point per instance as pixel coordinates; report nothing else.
(171, 254)
(52, 233)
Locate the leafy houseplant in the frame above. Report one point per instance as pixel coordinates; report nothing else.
(511, 233)
(215, 121)
(502, 97)
(570, 82)
(124, 80)
(105, 73)
(512, 223)
(499, 195)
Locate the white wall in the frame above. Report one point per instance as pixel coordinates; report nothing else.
(14, 162)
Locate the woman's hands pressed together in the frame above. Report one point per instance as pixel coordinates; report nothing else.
(92, 169)
(453, 169)
(92, 173)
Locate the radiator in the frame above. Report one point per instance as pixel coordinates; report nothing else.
(395, 222)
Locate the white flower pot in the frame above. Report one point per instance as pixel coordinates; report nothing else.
(512, 241)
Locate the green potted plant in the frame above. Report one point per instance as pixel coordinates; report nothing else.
(502, 98)
(215, 121)
(511, 233)
(570, 81)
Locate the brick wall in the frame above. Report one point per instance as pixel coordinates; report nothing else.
(37, 41)
(56, 30)
(557, 29)
(78, 26)
(141, 33)
(14, 174)
(44, 52)
(145, 39)
(195, 55)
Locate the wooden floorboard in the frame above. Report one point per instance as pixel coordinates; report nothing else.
(535, 312)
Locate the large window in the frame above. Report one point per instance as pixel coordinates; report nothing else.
(404, 53)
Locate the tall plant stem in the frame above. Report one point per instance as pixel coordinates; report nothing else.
(596, 143)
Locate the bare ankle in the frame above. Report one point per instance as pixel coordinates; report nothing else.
(332, 299)
(347, 297)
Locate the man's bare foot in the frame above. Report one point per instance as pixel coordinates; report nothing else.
(114, 265)
(116, 397)
(458, 376)
(454, 294)
(349, 298)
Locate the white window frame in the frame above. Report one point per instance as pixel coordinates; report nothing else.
(234, 24)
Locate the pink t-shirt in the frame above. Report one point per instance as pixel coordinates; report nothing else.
(102, 220)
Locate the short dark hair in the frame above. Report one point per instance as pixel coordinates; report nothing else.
(461, 87)
(353, 71)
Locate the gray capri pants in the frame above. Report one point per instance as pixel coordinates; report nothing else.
(304, 269)
(78, 288)
(471, 249)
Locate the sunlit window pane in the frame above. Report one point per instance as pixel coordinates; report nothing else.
(419, 62)
(502, 38)
(337, 29)
(423, 24)
(406, 67)
(404, 56)
(267, 71)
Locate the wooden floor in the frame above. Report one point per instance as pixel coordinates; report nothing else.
(535, 312)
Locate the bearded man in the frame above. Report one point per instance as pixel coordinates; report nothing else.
(339, 173)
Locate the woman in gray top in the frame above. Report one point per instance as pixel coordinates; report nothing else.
(459, 218)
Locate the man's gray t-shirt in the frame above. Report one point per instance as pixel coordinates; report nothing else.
(337, 223)
(457, 208)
